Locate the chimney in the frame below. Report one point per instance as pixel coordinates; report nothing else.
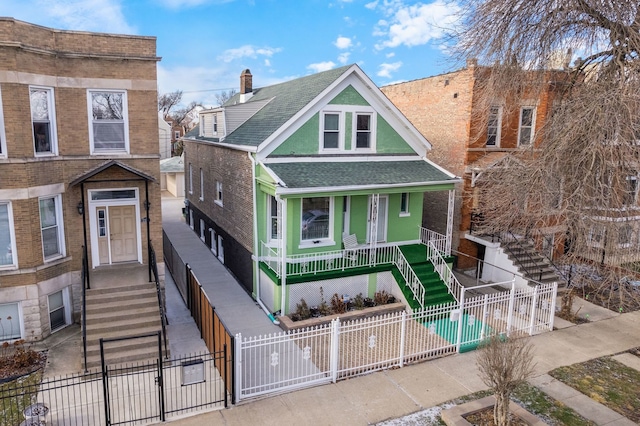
(246, 85)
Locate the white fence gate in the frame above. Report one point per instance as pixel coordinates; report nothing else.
(335, 351)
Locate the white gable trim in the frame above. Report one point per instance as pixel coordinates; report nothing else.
(343, 159)
(355, 77)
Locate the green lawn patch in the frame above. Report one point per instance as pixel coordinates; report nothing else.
(16, 395)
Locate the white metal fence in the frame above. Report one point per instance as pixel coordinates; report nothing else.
(311, 356)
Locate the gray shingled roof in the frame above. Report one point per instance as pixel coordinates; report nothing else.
(344, 174)
(172, 165)
(286, 100)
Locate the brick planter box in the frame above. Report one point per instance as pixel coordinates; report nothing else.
(287, 324)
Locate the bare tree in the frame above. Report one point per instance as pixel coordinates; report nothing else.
(504, 363)
(168, 101)
(224, 96)
(582, 171)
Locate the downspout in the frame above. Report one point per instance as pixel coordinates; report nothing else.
(283, 255)
(147, 204)
(256, 254)
(84, 230)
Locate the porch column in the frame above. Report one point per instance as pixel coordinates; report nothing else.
(452, 198)
(373, 228)
(283, 257)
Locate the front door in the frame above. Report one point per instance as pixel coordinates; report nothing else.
(122, 233)
(381, 220)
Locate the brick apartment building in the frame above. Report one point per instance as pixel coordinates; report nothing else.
(78, 167)
(445, 108)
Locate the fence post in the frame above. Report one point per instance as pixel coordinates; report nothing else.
(511, 302)
(485, 316)
(552, 308)
(160, 379)
(403, 332)
(459, 337)
(335, 350)
(533, 309)
(238, 368)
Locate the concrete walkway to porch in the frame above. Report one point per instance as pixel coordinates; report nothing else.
(237, 309)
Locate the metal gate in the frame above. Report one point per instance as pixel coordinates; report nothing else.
(133, 393)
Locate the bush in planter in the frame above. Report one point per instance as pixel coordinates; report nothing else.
(358, 302)
(368, 302)
(323, 307)
(382, 297)
(337, 304)
(302, 311)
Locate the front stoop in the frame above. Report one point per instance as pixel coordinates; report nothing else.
(453, 416)
(120, 312)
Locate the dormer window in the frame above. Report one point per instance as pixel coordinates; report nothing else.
(363, 131)
(331, 139)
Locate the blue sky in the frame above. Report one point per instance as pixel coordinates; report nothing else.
(205, 44)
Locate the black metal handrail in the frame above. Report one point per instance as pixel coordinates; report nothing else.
(531, 262)
(154, 269)
(84, 277)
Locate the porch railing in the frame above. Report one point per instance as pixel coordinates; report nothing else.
(163, 318)
(439, 241)
(444, 271)
(410, 277)
(85, 282)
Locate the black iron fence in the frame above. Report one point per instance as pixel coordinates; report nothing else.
(174, 263)
(124, 394)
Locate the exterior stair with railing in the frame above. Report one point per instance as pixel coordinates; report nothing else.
(436, 291)
(121, 312)
(534, 267)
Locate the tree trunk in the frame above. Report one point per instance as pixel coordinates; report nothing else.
(501, 410)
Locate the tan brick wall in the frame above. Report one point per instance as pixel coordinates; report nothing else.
(233, 169)
(70, 62)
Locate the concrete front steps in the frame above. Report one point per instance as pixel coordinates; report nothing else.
(121, 312)
(436, 291)
(531, 263)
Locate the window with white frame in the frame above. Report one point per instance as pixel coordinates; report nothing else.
(215, 123)
(176, 134)
(10, 322)
(363, 130)
(272, 219)
(190, 178)
(201, 125)
(58, 309)
(201, 185)
(214, 242)
(108, 123)
(7, 237)
(43, 120)
(51, 227)
(219, 197)
(202, 229)
(331, 130)
(494, 125)
(596, 236)
(625, 236)
(526, 127)
(316, 219)
(3, 138)
(630, 196)
(404, 204)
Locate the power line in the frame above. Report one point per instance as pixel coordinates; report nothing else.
(210, 90)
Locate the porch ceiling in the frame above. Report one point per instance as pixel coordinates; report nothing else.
(358, 174)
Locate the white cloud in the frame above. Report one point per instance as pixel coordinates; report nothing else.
(371, 5)
(343, 42)
(267, 63)
(386, 69)
(390, 54)
(247, 51)
(180, 4)
(321, 66)
(414, 25)
(81, 15)
(343, 58)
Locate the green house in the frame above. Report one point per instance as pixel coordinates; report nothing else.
(315, 187)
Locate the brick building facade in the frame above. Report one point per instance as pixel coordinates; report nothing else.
(78, 151)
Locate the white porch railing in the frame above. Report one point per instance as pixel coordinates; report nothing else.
(444, 271)
(410, 277)
(438, 240)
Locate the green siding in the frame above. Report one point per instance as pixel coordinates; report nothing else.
(304, 141)
(388, 141)
(404, 228)
(348, 126)
(349, 96)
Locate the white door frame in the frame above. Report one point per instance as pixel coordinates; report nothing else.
(93, 220)
(385, 224)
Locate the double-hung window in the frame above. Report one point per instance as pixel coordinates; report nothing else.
(493, 126)
(625, 236)
(404, 204)
(527, 123)
(215, 123)
(58, 309)
(190, 178)
(273, 224)
(3, 139)
(108, 123)
(363, 131)
(51, 227)
(43, 121)
(316, 219)
(7, 237)
(631, 193)
(331, 130)
(201, 185)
